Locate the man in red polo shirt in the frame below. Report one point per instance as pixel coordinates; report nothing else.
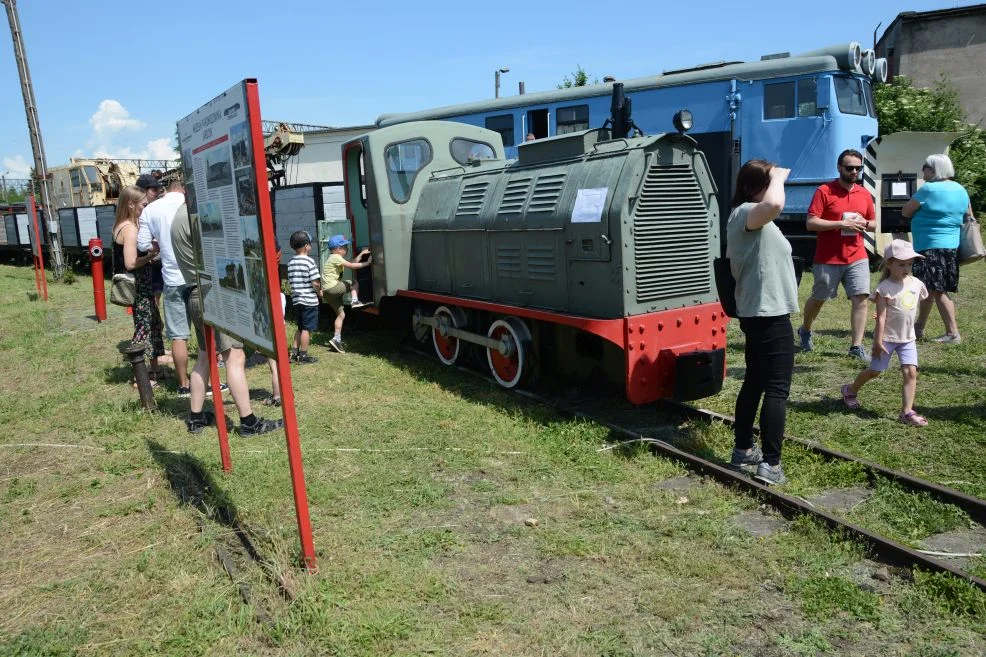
(840, 212)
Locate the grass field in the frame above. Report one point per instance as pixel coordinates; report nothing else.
(451, 518)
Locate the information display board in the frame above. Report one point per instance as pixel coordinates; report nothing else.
(86, 217)
(221, 192)
(23, 230)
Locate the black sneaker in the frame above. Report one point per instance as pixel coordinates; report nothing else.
(222, 388)
(184, 392)
(260, 426)
(336, 344)
(305, 358)
(196, 426)
(272, 401)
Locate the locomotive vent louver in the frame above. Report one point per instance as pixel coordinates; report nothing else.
(671, 235)
(471, 201)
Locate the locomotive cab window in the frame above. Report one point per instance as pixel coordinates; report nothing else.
(504, 124)
(466, 151)
(787, 100)
(849, 93)
(404, 161)
(571, 119)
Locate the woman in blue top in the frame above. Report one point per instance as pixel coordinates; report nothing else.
(937, 211)
(766, 295)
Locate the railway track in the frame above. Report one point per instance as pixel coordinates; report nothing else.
(885, 549)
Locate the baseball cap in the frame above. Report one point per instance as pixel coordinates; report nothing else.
(336, 241)
(146, 181)
(900, 250)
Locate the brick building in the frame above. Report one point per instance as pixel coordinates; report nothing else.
(923, 45)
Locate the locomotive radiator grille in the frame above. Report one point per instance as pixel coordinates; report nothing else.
(671, 235)
(471, 201)
(541, 263)
(546, 193)
(514, 196)
(508, 261)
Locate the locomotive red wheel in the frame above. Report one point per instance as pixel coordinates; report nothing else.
(447, 348)
(511, 363)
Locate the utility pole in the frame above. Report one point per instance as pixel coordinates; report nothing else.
(37, 145)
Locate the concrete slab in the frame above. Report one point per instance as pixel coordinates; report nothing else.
(841, 500)
(760, 524)
(959, 542)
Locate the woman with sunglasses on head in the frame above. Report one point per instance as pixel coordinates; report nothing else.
(147, 320)
(937, 211)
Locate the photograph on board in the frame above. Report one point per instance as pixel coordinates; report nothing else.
(246, 192)
(260, 296)
(218, 170)
(211, 219)
(231, 274)
(250, 230)
(239, 137)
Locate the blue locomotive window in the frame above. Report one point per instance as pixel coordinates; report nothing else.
(849, 93)
(404, 161)
(868, 94)
(571, 119)
(778, 101)
(807, 97)
(504, 124)
(465, 151)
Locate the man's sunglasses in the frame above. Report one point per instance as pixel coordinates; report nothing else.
(859, 168)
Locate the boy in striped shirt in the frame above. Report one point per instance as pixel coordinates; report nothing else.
(306, 293)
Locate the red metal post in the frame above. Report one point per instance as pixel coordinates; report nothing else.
(33, 210)
(217, 398)
(98, 284)
(265, 218)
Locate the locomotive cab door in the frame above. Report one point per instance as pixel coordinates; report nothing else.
(355, 226)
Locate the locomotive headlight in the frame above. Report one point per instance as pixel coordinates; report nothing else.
(682, 121)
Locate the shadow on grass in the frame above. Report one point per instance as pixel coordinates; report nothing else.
(193, 486)
(831, 406)
(971, 415)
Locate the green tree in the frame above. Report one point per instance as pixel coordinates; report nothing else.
(579, 79)
(901, 106)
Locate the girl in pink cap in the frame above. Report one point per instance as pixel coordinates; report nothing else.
(897, 298)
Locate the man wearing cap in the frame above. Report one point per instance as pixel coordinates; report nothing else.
(153, 187)
(183, 246)
(840, 212)
(155, 226)
(334, 288)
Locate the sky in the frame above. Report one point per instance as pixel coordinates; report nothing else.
(111, 78)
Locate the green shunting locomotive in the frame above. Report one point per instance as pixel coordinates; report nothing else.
(588, 257)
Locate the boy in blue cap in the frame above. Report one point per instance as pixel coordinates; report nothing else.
(335, 288)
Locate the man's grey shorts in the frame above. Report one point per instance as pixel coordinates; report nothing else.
(175, 314)
(855, 279)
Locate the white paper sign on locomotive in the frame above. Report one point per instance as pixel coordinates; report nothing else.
(221, 192)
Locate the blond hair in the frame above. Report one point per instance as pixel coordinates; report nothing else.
(129, 197)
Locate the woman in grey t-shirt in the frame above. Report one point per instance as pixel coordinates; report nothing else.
(766, 295)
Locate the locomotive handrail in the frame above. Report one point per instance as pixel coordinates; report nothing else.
(448, 170)
(610, 145)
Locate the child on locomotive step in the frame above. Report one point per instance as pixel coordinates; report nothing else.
(897, 298)
(306, 294)
(336, 288)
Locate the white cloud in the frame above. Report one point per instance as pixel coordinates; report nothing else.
(16, 166)
(109, 124)
(112, 117)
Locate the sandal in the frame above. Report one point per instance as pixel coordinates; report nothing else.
(912, 419)
(849, 398)
(272, 401)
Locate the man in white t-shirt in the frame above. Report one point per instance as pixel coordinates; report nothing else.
(155, 226)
